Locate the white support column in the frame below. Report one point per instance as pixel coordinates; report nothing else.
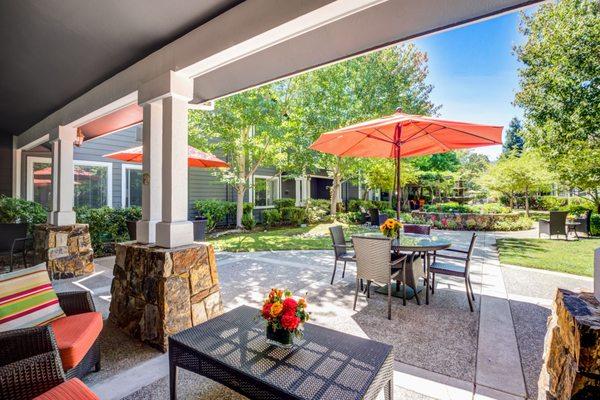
(16, 170)
(174, 93)
(62, 176)
(151, 173)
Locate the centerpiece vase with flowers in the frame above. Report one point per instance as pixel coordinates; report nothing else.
(285, 317)
(391, 228)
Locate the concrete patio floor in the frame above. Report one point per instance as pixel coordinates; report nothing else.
(441, 350)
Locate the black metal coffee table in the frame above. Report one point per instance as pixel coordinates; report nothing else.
(231, 349)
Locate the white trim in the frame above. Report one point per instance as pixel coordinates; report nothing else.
(267, 177)
(16, 169)
(109, 183)
(30, 161)
(124, 168)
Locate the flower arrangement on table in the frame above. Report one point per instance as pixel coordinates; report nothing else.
(391, 227)
(285, 317)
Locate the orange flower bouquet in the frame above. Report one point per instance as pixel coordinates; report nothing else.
(391, 228)
(285, 317)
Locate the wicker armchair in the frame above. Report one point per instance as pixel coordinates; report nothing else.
(556, 225)
(373, 263)
(585, 224)
(30, 362)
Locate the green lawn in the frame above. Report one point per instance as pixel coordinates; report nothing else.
(314, 237)
(573, 257)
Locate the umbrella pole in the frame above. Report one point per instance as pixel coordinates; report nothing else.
(398, 186)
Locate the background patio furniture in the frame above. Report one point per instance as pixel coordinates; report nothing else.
(14, 241)
(445, 268)
(584, 224)
(555, 225)
(572, 227)
(199, 230)
(132, 229)
(382, 219)
(30, 358)
(340, 248)
(374, 214)
(418, 229)
(374, 264)
(320, 366)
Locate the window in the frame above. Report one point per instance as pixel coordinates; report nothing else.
(131, 185)
(93, 184)
(39, 180)
(266, 189)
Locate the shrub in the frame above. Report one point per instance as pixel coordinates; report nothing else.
(352, 217)
(216, 211)
(271, 218)
(449, 207)
(493, 208)
(595, 224)
(471, 224)
(391, 213)
(107, 224)
(355, 205)
(380, 205)
(281, 203)
(552, 203)
(578, 206)
(248, 221)
(521, 224)
(14, 210)
(293, 215)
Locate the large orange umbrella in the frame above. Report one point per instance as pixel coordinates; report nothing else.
(196, 158)
(404, 135)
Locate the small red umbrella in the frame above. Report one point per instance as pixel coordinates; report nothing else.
(196, 158)
(404, 135)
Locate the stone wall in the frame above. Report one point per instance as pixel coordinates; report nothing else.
(158, 292)
(571, 368)
(66, 250)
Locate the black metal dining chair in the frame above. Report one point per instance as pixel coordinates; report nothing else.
(341, 248)
(13, 241)
(446, 268)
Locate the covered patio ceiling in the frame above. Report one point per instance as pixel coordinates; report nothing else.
(234, 46)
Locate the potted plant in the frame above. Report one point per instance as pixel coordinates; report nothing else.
(285, 317)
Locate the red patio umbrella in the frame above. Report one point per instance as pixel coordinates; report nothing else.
(196, 158)
(404, 135)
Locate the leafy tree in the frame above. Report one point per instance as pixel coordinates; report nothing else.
(353, 91)
(380, 174)
(246, 128)
(514, 140)
(473, 165)
(560, 89)
(514, 175)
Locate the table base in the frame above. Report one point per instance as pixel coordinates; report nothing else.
(410, 293)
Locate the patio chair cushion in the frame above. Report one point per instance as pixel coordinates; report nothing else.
(27, 299)
(73, 389)
(75, 335)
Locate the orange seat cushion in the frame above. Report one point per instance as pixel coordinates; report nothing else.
(73, 389)
(75, 335)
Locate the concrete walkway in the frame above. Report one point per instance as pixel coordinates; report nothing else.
(442, 350)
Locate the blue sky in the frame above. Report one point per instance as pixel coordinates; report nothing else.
(474, 72)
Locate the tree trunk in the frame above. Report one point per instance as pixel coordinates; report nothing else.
(527, 203)
(510, 202)
(239, 210)
(334, 194)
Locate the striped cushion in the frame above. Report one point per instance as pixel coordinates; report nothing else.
(27, 299)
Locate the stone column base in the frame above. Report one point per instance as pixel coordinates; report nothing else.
(157, 292)
(571, 368)
(66, 250)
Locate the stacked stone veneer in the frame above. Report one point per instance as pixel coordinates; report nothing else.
(66, 250)
(158, 292)
(571, 368)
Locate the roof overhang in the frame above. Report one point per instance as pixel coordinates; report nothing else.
(260, 41)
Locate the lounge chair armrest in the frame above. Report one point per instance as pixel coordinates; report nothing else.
(21, 244)
(31, 376)
(76, 302)
(19, 344)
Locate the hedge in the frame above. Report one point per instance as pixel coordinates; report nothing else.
(14, 210)
(107, 225)
(217, 212)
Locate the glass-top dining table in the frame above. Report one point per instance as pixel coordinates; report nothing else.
(413, 243)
